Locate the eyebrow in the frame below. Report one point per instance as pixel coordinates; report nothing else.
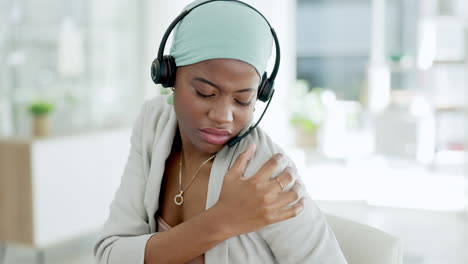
(203, 80)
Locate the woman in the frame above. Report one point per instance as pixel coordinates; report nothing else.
(186, 197)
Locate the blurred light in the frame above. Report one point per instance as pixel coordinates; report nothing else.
(340, 137)
(427, 44)
(420, 107)
(70, 49)
(451, 157)
(16, 58)
(378, 95)
(328, 98)
(390, 185)
(16, 13)
(420, 190)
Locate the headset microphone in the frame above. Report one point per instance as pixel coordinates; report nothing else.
(236, 139)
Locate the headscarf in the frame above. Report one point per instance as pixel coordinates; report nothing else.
(222, 29)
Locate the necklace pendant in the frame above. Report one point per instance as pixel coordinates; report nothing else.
(179, 199)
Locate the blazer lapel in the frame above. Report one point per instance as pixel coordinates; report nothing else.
(219, 253)
(164, 132)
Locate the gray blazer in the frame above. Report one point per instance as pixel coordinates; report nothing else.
(306, 238)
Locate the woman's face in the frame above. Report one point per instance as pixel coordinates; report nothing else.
(213, 101)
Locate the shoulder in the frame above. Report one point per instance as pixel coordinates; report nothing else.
(156, 107)
(263, 142)
(265, 149)
(156, 120)
(156, 111)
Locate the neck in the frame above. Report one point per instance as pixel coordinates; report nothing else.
(192, 156)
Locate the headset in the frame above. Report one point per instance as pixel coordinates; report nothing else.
(163, 68)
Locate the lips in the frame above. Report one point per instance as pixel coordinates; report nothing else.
(215, 136)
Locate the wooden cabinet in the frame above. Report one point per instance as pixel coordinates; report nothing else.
(58, 188)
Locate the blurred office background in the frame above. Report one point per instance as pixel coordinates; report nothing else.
(371, 97)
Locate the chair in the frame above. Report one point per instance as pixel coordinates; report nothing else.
(362, 244)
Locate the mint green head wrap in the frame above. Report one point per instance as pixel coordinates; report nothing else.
(222, 29)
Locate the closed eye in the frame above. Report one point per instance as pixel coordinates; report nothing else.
(243, 103)
(204, 95)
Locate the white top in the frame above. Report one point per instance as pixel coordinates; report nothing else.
(306, 238)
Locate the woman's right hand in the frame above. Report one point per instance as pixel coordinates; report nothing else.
(248, 204)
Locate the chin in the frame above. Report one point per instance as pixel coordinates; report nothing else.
(210, 148)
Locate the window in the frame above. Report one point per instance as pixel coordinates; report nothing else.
(85, 58)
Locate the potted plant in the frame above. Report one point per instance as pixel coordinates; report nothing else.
(308, 114)
(306, 131)
(40, 110)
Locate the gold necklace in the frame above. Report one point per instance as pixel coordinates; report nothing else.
(179, 199)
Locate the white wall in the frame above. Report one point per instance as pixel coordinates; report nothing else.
(466, 124)
(159, 14)
(282, 16)
(280, 13)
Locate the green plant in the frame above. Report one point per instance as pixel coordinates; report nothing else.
(396, 57)
(40, 107)
(302, 121)
(163, 90)
(309, 109)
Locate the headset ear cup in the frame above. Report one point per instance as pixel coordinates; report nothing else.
(261, 86)
(171, 71)
(265, 89)
(163, 72)
(156, 71)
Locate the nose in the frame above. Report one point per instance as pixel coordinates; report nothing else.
(220, 112)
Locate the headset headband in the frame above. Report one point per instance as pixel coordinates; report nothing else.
(187, 11)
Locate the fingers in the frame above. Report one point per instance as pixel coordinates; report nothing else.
(267, 170)
(291, 196)
(285, 178)
(242, 160)
(286, 212)
(292, 211)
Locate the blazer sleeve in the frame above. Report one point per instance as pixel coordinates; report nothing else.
(124, 235)
(306, 238)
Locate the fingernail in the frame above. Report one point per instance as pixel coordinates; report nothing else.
(250, 150)
(292, 170)
(280, 158)
(254, 147)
